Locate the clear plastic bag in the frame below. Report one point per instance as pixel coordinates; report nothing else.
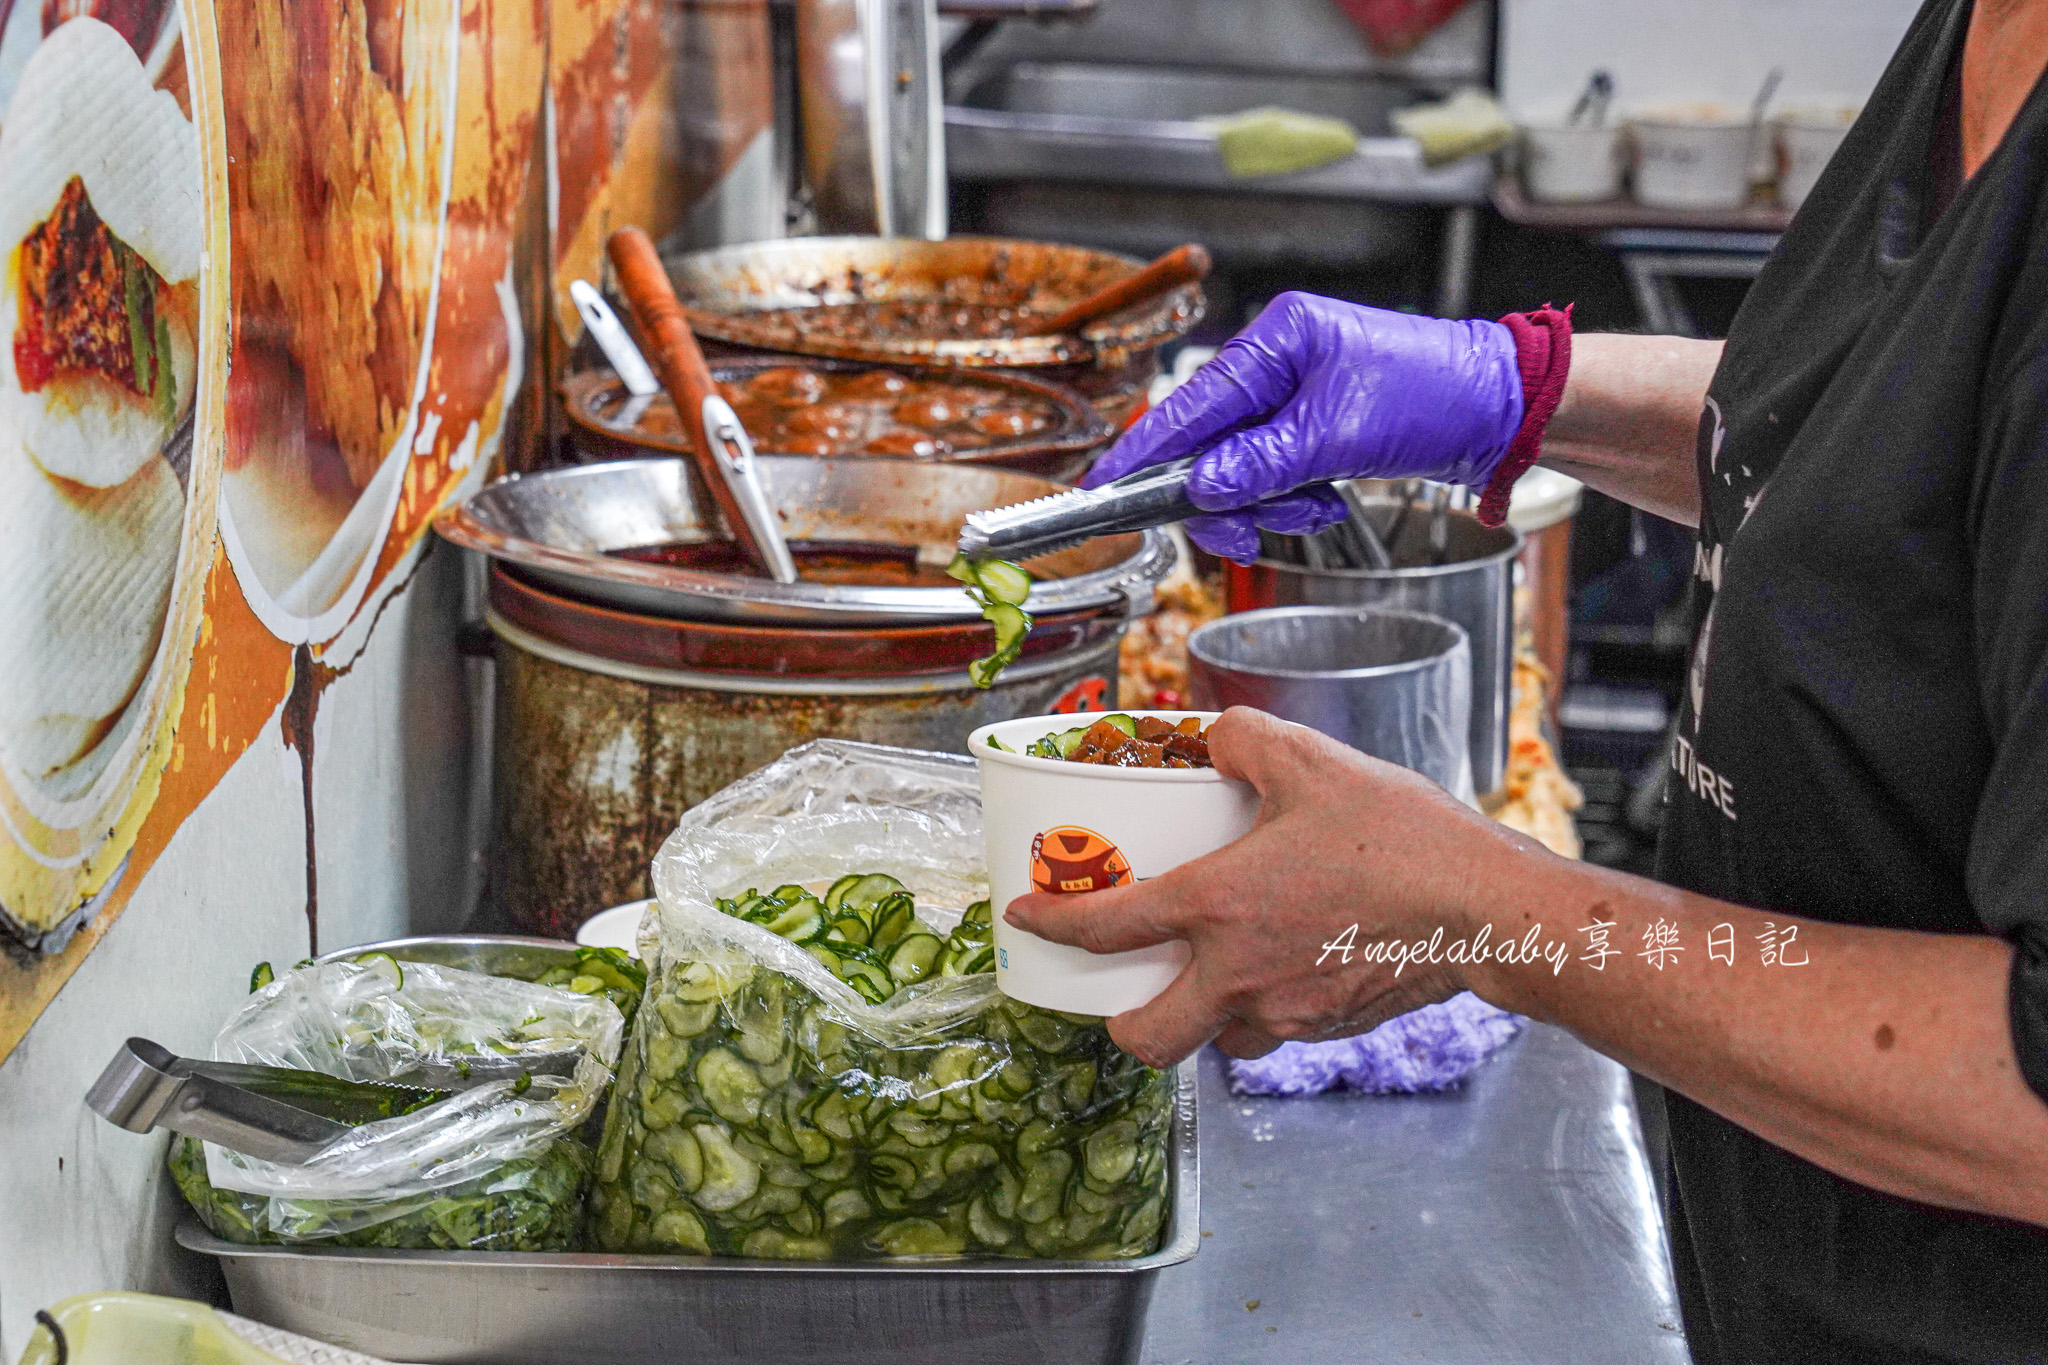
(497, 1166)
(764, 1108)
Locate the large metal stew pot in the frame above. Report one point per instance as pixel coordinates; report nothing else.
(628, 691)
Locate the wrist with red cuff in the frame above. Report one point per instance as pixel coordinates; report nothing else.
(1543, 355)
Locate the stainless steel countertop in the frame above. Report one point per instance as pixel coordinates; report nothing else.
(1511, 1221)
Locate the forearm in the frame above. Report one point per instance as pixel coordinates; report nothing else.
(1887, 1058)
(1628, 423)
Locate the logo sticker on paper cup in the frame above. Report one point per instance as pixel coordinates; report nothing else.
(1069, 860)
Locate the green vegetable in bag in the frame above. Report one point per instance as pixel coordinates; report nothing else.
(494, 1166)
(610, 972)
(527, 1204)
(754, 1117)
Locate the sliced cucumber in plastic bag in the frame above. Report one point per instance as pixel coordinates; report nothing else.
(771, 1120)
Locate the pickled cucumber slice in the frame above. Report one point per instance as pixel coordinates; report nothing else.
(1000, 589)
(800, 923)
(870, 890)
(1003, 581)
(894, 918)
(913, 958)
(385, 965)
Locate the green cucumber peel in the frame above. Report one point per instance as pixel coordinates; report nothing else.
(1000, 589)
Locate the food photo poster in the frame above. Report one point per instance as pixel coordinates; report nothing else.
(279, 282)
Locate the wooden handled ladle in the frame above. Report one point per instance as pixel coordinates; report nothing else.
(1182, 265)
(718, 443)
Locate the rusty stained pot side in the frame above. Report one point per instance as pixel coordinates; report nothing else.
(593, 771)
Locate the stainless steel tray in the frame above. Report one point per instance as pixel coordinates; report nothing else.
(530, 1308)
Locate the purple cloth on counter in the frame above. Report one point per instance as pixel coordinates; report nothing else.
(1432, 1048)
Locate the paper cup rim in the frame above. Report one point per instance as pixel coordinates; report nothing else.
(978, 747)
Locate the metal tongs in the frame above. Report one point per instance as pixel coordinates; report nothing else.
(270, 1113)
(278, 1113)
(1151, 497)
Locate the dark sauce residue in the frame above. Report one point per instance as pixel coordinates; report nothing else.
(853, 563)
(910, 320)
(793, 410)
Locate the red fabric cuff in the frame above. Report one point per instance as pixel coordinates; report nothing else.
(1543, 353)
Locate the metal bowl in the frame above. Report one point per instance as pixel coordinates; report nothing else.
(490, 954)
(733, 293)
(593, 401)
(557, 527)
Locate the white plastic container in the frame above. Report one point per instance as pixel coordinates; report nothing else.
(618, 927)
(1572, 163)
(1102, 827)
(1807, 140)
(1693, 157)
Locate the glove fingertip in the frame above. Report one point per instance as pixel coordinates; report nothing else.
(1230, 536)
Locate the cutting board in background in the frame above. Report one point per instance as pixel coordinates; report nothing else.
(1684, 50)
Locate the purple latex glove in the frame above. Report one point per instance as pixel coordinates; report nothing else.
(1318, 389)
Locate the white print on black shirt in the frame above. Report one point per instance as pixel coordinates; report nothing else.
(1711, 787)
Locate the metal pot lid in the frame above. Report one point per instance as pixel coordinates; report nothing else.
(743, 295)
(561, 526)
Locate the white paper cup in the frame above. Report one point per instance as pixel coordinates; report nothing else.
(1807, 139)
(1693, 158)
(1572, 163)
(1073, 827)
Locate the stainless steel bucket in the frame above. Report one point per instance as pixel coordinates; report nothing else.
(1393, 684)
(1474, 588)
(609, 725)
(629, 691)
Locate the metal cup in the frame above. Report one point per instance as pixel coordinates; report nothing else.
(1393, 684)
(1474, 588)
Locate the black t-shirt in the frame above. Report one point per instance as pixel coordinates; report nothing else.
(1865, 735)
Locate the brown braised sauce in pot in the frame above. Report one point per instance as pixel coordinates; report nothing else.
(793, 410)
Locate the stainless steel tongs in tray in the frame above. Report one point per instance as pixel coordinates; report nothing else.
(271, 1113)
(277, 1113)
